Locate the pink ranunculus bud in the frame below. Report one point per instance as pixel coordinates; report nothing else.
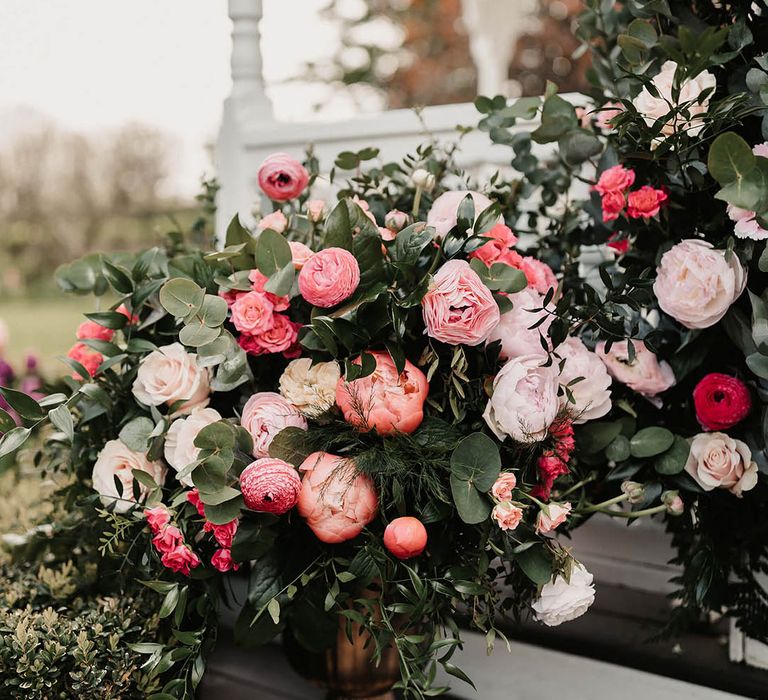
(551, 517)
(503, 486)
(270, 485)
(181, 560)
(615, 179)
(300, 253)
(384, 401)
(168, 539)
(282, 177)
(315, 210)
(222, 561)
(443, 215)
(336, 502)
(396, 220)
(157, 518)
(458, 308)
(329, 277)
(507, 515)
(276, 221)
(645, 203)
(405, 538)
(88, 358)
(265, 414)
(93, 331)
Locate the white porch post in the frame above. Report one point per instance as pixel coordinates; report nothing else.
(246, 106)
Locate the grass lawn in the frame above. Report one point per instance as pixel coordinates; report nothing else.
(45, 327)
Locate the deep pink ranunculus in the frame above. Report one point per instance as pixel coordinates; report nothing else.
(329, 277)
(282, 177)
(258, 284)
(721, 401)
(384, 401)
(336, 503)
(405, 537)
(193, 497)
(270, 485)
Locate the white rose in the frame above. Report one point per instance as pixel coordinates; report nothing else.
(591, 394)
(117, 460)
(170, 374)
(654, 108)
(514, 328)
(180, 447)
(524, 401)
(310, 388)
(719, 461)
(561, 601)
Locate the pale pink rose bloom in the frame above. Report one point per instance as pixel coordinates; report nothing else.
(503, 486)
(336, 503)
(300, 253)
(458, 308)
(281, 177)
(443, 214)
(252, 313)
(561, 601)
(551, 516)
(384, 401)
(276, 221)
(507, 515)
(329, 277)
(524, 402)
(696, 285)
(538, 274)
(745, 222)
(645, 374)
(606, 113)
(653, 108)
(265, 414)
(315, 210)
(171, 374)
(179, 445)
(591, 394)
(514, 327)
(117, 460)
(719, 461)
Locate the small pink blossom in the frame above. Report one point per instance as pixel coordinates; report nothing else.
(315, 210)
(89, 359)
(258, 284)
(613, 204)
(276, 221)
(551, 517)
(507, 515)
(222, 561)
(615, 179)
(503, 487)
(225, 534)
(193, 497)
(281, 177)
(279, 338)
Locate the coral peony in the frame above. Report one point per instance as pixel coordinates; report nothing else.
(336, 502)
(721, 401)
(329, 277)
(384, 401)
(281, 177)
(405, 537)
(270, 485)
(265, 414)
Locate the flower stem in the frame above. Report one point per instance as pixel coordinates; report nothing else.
(416, 202)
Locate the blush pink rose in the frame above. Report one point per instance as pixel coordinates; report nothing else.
(514, 327)
(180, 560)
(282, 177)
(270, 485)
(384, 401)
(645, 203)
(495, 250)
(645, 374)
(503, 486)
(335, 502)
(405, 537)
(551, 516)
(443, 214)
(719, 461)
(265, 414)
(458, 308)
(252, 313)
(300, 253)
(88, 358)
(93, 331)
(507, 515)
(277, 221)
(696, 284)
(279, 338)
(329, 277)
(179, 448)
(157, 518)
(222, 561)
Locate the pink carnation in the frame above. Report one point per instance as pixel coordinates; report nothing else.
(645, 203)
(222, 561)
(89, 359)
(329, 277)
(252, 313)
(181, 560)
(615, 179)
(282, 177)
(270, 485)
(93, 331)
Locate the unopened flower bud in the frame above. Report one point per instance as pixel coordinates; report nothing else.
(423, 178)
(396, 220)
(673, 502)
(634, 490)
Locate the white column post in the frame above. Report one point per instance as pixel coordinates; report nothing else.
(247, 106)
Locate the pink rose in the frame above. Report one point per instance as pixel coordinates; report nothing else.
(276, 221)
(551, 517)
(719, 461)
(222, 561)
(132, 318)
(168, 539)
(458, 308)
(157, 518)
(282, 177)
(258, 284)
(696, 285)
(538, 274)
(503, 486)
(329, 277)
(225, 534)
(615, 179)
(495, 250)
(524, 402)
(279, 338)
(645, 203)
(613, 204)
(645, 374)
(89, 359)
(591, 394)
(300, 253)
(252, 313)
(507, 515)
(179, 448)
(384, 401)
(193, 497)
(336, 504)
(405, 537)
(514, 327)
(170, 375)
(180, 560)
(264, 415)
(745, 221)
(270, 485)
(315, 210)
(444, 212)
(92, 330)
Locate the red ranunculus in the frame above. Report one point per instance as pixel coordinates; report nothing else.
(721, 401)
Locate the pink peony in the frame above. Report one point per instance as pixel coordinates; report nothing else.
(719, 461)
(167, 539)
(514, 327)
(181, 560)
(591, 394)
(93, 331)
(329, 277)
(252, 313)
(157, 518)
(222, 561)
(89, 359)
(613, 204)
(458, 308)
(405, 537)
(615, 179)
(384, 401)
(495, 250)
(503, 486)
(300, 253)
(551, 517)
(270, 485)
(276, 221)
(279, 338)
(265, 414)
(645, 374)
(745, 222)
(645, 203)
(697, 283)
(336, 503)
(282, 177)
(507, 515)
(444, 212)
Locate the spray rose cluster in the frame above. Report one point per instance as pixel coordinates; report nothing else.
(613, 186)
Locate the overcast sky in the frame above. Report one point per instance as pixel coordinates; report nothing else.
(93, 64)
